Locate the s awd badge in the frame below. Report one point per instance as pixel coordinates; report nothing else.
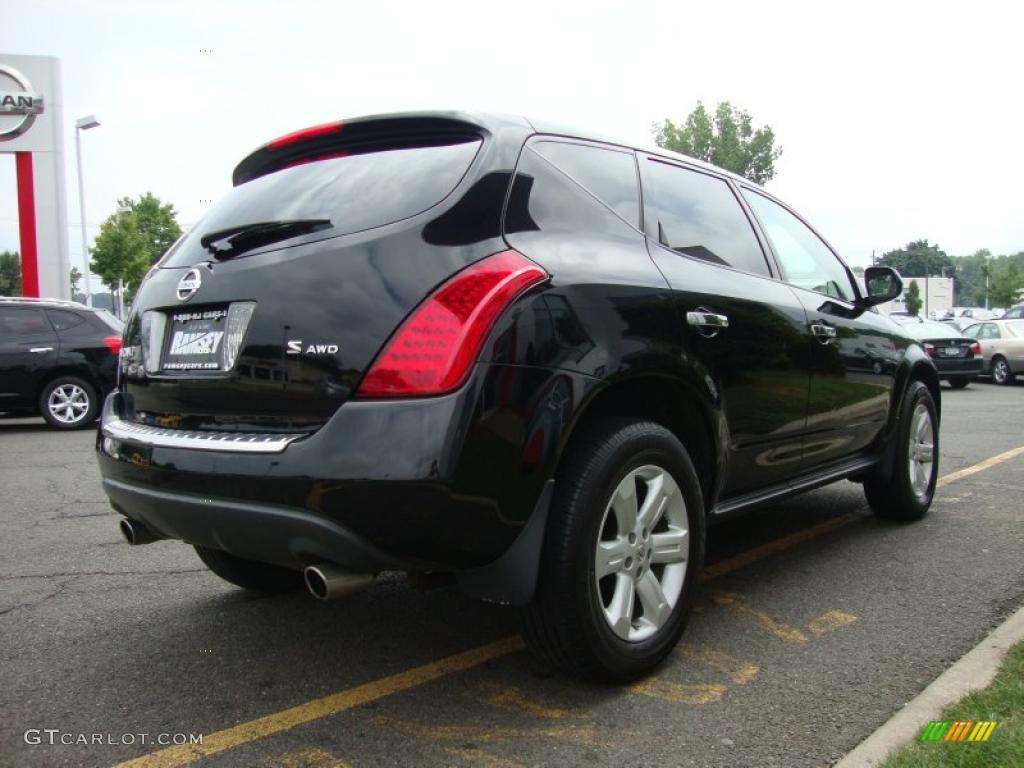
(296, 347)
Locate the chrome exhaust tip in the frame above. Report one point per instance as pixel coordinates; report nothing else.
(136, 533)
(328, 582)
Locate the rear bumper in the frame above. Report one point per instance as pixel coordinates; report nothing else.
(282, 535)
(958, 368)
(433, 484)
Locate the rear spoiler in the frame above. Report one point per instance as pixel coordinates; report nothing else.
(364, 134)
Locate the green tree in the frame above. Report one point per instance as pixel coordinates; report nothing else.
(10, 274)
(913, 298)
(970, 278)
(131, 240)
(1005, 283)
(919, 259)
(727, 139)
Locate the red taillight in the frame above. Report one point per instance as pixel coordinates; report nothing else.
(433, 350)
(976, 348)
(113, 343)
(930, 349)
(304, 134)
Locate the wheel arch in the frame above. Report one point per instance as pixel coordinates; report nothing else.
(665, 400)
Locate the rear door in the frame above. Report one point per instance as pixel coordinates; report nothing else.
(854, 355)
(28, 352)
(745, 330)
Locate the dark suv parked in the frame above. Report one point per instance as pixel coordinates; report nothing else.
(58, 359)
(445, 343)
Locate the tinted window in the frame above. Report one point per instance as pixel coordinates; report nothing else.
(544, 198)
(355, 192)
(63, 320)
(110, 321)
(608, 174)
(805, 260)
(697, 215)
(17, 321)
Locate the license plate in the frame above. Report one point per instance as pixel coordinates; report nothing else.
(194, 340)
(951, 351)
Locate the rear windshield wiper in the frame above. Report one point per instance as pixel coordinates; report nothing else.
(231, 241)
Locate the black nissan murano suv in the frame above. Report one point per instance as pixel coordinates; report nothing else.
(536, 361)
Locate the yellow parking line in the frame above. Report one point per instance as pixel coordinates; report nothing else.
(512, 698)
(679, 693)
(769, 624)
(320, 708)
(739, 671)
(243, 733)
(829, 622)
(981, 466)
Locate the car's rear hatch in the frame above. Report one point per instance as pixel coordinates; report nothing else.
(268, 313)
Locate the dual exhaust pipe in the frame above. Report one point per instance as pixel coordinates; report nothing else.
(324, 581)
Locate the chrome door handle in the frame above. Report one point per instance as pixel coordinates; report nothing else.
(41, 349)
(704, 319)
(825, 333)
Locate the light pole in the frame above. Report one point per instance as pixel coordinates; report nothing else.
(84, 124)
(121, 210)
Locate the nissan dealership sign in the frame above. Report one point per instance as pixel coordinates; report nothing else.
(19, 103)
(31, 129)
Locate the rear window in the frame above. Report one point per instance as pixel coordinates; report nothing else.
(356, 192)
(110, 321)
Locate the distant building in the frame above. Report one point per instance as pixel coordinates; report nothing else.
(936, 294)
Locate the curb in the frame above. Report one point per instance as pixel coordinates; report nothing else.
(974, 670)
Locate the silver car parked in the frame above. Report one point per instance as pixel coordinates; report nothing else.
(1002, 347)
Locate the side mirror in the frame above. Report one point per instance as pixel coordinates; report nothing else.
(883, 284)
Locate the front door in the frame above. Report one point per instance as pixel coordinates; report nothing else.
(854, 355)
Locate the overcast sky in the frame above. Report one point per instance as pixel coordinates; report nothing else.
(898, 121)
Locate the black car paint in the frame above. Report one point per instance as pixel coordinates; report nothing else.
(449, 483)
(77, 351)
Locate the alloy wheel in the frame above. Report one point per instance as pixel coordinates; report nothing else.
(642, 552)
(68, 403)
(921, 451)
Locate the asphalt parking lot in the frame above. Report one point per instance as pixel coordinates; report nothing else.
(814, 625)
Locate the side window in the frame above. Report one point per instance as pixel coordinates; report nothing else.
(24, 322)
(608, 174)
(805, 260)
(63, 320)
(989, 331)
(971, 331)
(695, 214)
(544, 198)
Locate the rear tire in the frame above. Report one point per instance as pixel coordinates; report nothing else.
(959, 383)
(901, 487)
(628, 504)
(1001, 373)
(250, 574)
(69, 402)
